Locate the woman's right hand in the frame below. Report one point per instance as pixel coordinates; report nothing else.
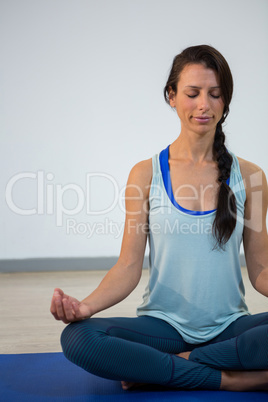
(68, 309)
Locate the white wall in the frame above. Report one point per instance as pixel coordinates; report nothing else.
(81, 93)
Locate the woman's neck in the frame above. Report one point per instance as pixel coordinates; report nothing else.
(195, 148)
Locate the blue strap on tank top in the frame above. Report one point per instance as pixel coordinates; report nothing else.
(163, 159)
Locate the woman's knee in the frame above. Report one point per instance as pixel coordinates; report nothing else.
(74, 337)
(83, 344)
(69, 339)
(80, 340)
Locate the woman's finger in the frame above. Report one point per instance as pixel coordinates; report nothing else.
(53, 309)
(59, 307)
(53, 306)
(68, 310)
(76, 310)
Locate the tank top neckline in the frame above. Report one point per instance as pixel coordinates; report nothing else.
(165, 171)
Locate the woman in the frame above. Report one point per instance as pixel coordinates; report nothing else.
(193, 329)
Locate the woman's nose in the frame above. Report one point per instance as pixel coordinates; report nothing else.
(203, 103)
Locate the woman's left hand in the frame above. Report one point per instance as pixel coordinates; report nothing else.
(68, 309)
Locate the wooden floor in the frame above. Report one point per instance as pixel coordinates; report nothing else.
(27, 325)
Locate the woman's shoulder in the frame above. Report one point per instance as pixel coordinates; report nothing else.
(141, 173)
(142, 168)
(248, 168)
(252, 174)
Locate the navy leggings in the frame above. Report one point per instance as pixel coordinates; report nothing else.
(143, 350)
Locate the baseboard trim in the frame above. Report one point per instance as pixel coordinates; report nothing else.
(60, 264)
(67, 264)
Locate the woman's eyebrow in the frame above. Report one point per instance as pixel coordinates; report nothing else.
(195, 87)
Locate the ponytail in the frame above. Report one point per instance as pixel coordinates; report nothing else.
(225, 220)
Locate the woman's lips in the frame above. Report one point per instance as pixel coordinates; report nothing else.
(202, 119)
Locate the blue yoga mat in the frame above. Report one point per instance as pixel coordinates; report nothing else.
(51, 377)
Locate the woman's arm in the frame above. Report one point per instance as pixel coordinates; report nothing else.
(124, 276)
(255, 236)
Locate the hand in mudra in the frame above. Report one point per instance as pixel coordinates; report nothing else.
(68, 309)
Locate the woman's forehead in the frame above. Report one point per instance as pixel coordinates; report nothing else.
(196, 74)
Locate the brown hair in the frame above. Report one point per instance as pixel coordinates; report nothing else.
(225, 220)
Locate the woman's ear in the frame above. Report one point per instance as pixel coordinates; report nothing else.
(171, 96)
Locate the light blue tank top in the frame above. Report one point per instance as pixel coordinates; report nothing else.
(195, 287)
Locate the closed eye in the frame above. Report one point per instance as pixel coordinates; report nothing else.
(213, 96)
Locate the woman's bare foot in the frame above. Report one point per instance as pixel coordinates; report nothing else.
(256, 380)
(184, 355)
(126, 385)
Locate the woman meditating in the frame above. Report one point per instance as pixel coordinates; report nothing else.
(195, 203)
